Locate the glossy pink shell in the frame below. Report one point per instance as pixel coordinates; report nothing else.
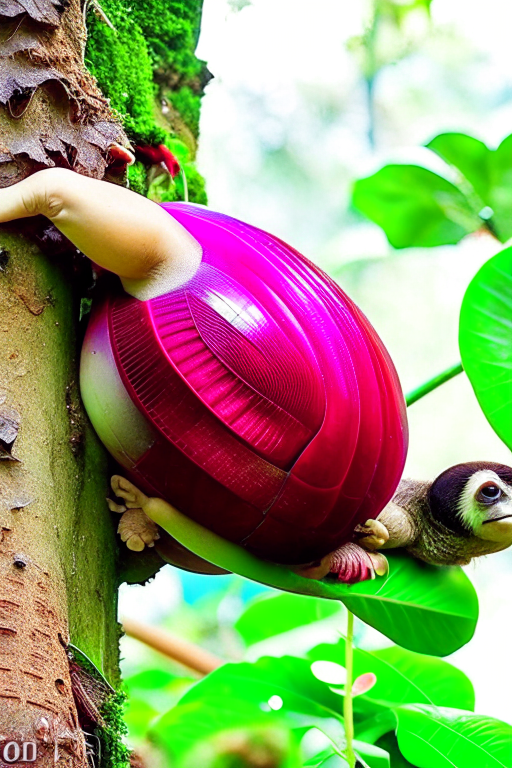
(275, 415)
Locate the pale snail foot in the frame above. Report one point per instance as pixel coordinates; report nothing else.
(372, 535)
(136, 529)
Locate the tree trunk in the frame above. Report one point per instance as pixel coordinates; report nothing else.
(58, 551)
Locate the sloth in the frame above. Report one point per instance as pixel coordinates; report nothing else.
(464, 513)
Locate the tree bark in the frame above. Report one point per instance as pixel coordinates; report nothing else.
(58, 553)
(58, 576)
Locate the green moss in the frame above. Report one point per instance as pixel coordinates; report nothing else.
(115, 752)
(171, 28)
(120, 61)
(138, 178)
(188, 105)
(196, 186)
(149, 55)
(150, 50)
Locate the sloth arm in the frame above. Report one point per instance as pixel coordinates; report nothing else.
(393, 528)
(119, 230)
(401, 528)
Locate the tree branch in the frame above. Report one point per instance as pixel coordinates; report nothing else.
(175, 648)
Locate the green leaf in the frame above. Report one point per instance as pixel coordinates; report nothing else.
(471, 157)
(137, 716)
(237, 695)
(500, 198)
(151, 693)
(421, 607)
(327, 758)
(373, 756)
(415, 207)
(448, 738)
(389, 743)
(488, 171)
(149, 679)
(199, 719)
(485, 339)
(404, 677)
(272, 614)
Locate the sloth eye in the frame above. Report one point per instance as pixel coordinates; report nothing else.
(488, 494)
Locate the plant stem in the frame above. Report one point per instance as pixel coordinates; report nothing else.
(348, 713)
(433, 383)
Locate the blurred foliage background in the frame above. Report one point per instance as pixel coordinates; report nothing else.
(306, 99)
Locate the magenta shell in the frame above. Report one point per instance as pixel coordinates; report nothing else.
(276, 414)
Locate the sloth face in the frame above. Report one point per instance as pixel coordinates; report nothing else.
(485, 507)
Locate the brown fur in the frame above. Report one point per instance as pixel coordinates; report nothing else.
(433, 542)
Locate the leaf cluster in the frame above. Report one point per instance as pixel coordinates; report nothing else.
(417, 700)
(416, 206)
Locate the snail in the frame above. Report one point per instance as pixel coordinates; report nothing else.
(236, 382)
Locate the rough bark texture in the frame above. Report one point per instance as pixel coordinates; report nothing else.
(57, 549)
(51, 110)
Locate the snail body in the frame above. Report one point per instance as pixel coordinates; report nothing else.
(256, 397)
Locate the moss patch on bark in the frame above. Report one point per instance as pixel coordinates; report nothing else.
(146, 66)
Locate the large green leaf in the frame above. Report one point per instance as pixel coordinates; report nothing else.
(373, 756)
(272, 614)
(424, 608)
(448, 738)
(470, 156)
(199, 719)
(415, 207)
(485, 339)
(151, 693)
(404, 677)
(421, 607)
(237, 695)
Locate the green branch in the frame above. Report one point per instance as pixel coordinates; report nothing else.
(433, 383)
(348, 713)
